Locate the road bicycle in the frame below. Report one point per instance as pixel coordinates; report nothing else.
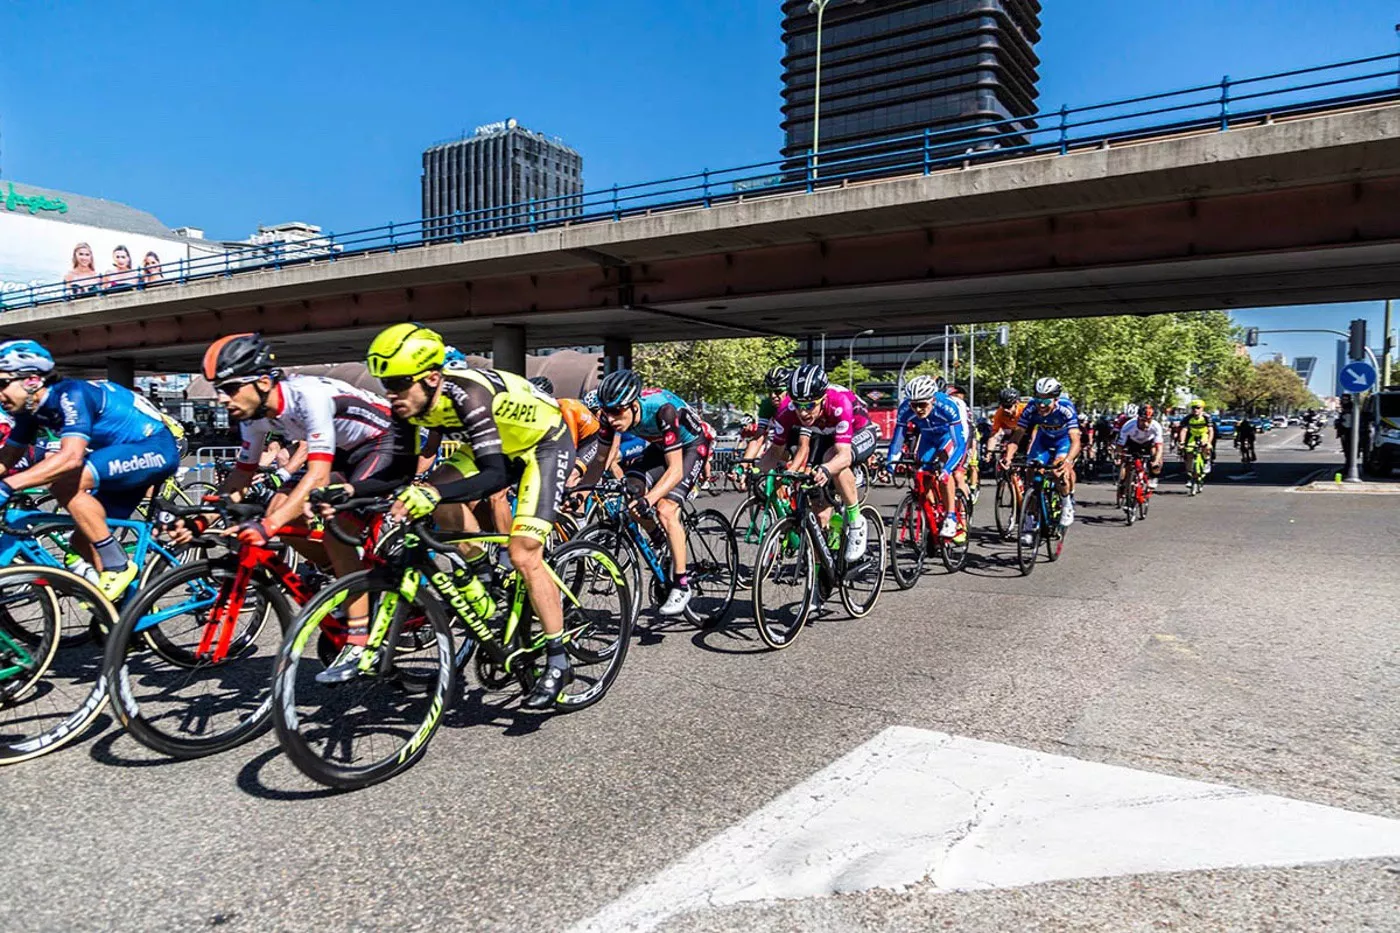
(1006, 503)
(1134, 490)
(353, 734)
(916, 531)
(711, 552)
(1196, 469)
(801, 564)
(1039, 516)
(766, 502)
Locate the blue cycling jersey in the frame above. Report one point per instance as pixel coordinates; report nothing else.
(1054, 423)
(943, 428)
(101, 413)
(663, 418)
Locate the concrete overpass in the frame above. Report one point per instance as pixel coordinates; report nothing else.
(1285, 211)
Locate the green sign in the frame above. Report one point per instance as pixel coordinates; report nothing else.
(17, 202)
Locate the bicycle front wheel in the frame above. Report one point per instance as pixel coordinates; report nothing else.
(713, 559)
(784, 578)
(908, 533)
(365, 730)
(1005, 506)
(597, 623)
(865, 578)
(1028, 537)
(750, 522)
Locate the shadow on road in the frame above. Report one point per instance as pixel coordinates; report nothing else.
(105, 750)
(250, 781)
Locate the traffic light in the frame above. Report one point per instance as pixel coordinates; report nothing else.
(1251, 336)
(602, 365)
(1357, 348)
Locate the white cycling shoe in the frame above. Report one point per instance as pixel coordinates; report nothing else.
(857, 535)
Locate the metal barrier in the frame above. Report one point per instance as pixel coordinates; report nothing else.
(206, 460)
(1217, 106)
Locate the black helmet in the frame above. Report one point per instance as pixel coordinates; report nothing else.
(619, 388)
(543, 383)
(807, 382)
(241, 356)
(777, 378)
(1008, 396)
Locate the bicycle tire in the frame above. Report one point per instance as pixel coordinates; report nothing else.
(1053, 532)
(786, 548)
(167, 723)
(71, 695)
(608, 537)
(712, 558)
(1025, 553)
(954, 553)
(1004, 506)
(304, 711)
(598, 634)
(29, 647)
(862, 583)
(750, 522)
(908, 534)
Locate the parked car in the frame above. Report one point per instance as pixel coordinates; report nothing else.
(1225, 427)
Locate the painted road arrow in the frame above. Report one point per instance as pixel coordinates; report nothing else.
(913, 805)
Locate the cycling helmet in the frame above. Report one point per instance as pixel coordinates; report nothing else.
(1146, 412)
(920, 389)
(405, 350)
(1048, 387)
(1130, 410)
(240, 356)
(619, 388)
(543, 383)
(25, 358)
(777, 378)
(1197, 403)
(590, 399)
(452, 355)
(1008, 396)
(808, 382)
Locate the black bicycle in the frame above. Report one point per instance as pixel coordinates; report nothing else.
(1038, 519)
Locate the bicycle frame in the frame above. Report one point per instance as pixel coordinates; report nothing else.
(928, 486)
(18, 542)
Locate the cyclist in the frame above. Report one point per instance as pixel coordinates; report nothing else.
(1004, 419)
(583, 426)
(1197, 429)
(113, 446)
(673, 459)
(502, 422)
(1245, 434)
(1141, 437)
(966, 471)
(834, 433)
(773, 401)
(942, 437)
(1056, 442)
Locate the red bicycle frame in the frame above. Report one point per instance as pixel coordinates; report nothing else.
(934, 511)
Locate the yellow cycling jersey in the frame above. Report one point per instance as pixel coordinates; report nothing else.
(1196, 426)
(491, 411)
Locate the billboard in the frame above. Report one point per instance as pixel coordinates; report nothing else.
(35, 250)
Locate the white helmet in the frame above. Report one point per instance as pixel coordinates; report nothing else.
(1048, 387)
(1130, 410)
(920, 389)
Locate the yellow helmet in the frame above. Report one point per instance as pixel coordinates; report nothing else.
(405, 350)
(1197, 403)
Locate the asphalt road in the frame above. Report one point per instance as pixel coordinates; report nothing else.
(1245, 637)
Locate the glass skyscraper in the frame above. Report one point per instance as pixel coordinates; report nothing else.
(501, 177)
(894, 68)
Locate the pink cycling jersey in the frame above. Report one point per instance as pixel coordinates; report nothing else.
(841, 417)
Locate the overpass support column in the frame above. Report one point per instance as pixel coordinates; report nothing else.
(617, 353)
(508, 348)
(122, 371)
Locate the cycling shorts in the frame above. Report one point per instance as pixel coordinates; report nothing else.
(652, 465)
(863, 442)
(1045, 450)
(543, 471)
(122, 473)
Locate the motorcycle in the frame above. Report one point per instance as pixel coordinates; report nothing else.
(1312, 437)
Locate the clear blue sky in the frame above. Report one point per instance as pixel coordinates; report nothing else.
(224, 116)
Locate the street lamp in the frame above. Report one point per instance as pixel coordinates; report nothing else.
(851, 357)
(819, 7)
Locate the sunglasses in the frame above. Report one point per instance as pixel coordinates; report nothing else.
(231, 388)
(614, 412)
(805, 406)
(1044, 402)
(920, 405)
(398, 384)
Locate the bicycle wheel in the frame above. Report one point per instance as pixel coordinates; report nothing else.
(1053, 532)
(1026, 549)
(596, 624)
(611, 539)
(750, 522)
(908, 533)
(713, 559)
(70, 695)
(175, 698)
(865, 578)
(1004, 506)
(29, 636)
(784, 578)
(954, 553)
(862, 481)
(363, 731)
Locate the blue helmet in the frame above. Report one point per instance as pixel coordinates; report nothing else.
(619, 388)
(453, 355)
(24, 358)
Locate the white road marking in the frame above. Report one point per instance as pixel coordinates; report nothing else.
(912, 804)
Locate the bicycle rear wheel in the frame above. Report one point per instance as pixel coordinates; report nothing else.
(865, 578)
(713, 568)
(908, 534)
(954, 553)
(175, 699)
(784, 578)
(70, 695)
(751, 521)
(1053, 533)
(1028, 539)
(29, 636)
(608, 537)
(597, 625)
(368, 729)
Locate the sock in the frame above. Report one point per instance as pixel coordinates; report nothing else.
(852, 514)
(683, 580)
(554, 652)
(357, 632)
(110, 553)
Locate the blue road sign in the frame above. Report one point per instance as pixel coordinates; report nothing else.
(1357, 376)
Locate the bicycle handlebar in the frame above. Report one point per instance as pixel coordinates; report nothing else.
(374, 504)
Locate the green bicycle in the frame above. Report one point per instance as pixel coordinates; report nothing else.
(1196, 468)
(366, 730)
(767, 502)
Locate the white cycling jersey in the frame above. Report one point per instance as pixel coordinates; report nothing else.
(328, 414)
(1136, 434)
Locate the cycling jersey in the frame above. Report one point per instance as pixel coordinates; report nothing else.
(942, 431)
(1003, 420)
(583, 427)
(1134, 433)
(842, 415)
(328, 414)
(767, 409)
(1052, 439)
(1196, 427)
(663, 418)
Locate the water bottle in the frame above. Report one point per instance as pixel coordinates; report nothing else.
(833, 532)
(81, 567)
(471, 587)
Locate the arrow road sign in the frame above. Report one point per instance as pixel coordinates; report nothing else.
(1357, 376)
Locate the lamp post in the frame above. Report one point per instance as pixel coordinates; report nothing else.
(851, 357)
(819, 7)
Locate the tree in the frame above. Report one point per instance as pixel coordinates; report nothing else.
(849, 373)
(1269, 386)
(713, 371)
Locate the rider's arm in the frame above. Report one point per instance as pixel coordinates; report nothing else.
(484, 439)
(802, 453)
(9, 454)
(1074, 446)
(896, 448)
(72, 451)
(427, 454)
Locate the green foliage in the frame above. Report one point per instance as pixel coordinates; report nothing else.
(713, 371)
(1262, 387)
(850, 373)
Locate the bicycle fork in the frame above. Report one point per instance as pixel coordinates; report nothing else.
(227, 609)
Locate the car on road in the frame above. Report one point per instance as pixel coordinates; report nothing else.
(1225, 427)
(1381, 452)
(1280, 421)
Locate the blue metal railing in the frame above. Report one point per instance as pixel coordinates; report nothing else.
(1217, 106)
